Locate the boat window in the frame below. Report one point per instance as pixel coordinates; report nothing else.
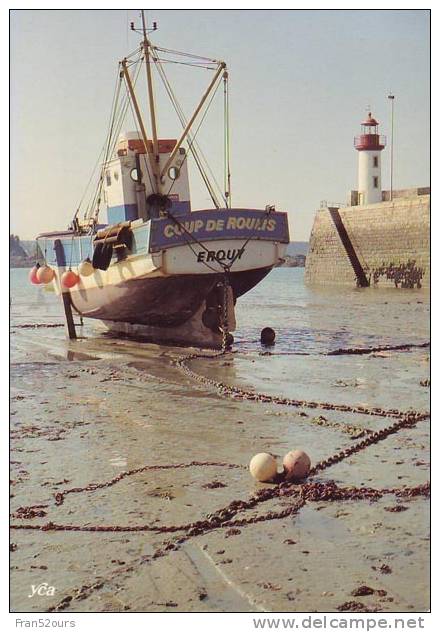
(173, 173)
(182, 151)
(134, 174)
(108, 178)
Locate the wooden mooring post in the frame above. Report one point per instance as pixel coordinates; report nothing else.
(70, 324)
(67, 301)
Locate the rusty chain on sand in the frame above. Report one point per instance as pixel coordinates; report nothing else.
(305, 491)
(298, 494)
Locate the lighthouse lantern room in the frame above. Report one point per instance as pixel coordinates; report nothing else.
(369, 145)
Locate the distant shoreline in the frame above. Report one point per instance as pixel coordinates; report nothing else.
(296, 261)
(21, 262)
(294, 258)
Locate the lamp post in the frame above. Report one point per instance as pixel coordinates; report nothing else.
(391, 98)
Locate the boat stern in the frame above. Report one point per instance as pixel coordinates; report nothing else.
(210, 241)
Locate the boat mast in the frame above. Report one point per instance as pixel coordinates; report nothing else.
(155, 163)
(153, 156)
(138, 112)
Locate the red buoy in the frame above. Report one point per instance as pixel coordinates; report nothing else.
(69, 279)
(33, 278)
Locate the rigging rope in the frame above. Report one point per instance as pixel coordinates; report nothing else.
(227, 170)
(99, 157)
(118, 113)
(182, 119)
(186, 63)
(183, 54)
(194, 147)
(190, 148)
(115, 115)
(117, 119)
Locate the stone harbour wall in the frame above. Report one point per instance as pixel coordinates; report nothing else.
(390, 239)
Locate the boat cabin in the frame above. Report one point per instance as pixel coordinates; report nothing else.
(129, 186)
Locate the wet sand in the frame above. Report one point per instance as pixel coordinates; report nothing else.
(84, 412)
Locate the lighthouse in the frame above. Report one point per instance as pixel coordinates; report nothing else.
(369, 145)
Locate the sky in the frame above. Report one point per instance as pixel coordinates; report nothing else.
(301, 82)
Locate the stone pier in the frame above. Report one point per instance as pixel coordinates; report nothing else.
(390, 241)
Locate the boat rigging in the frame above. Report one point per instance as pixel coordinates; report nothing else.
(150, 55)
(152, 265)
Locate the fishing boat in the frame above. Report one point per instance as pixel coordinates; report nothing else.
(137, 256)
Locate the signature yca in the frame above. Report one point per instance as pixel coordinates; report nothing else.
(43, 590)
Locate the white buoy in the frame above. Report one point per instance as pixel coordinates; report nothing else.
(296, 465)
(86, 268)
(263, 467)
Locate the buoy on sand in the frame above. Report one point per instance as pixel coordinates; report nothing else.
(33, 278)
(45, 274)
(296, 465)
(86, 268)
(229, 340)
(263, 467)
(267, 336)
(69, 279)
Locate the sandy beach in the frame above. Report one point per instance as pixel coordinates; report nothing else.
(88, 412)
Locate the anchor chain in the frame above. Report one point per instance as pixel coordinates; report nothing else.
(235, 392)
(316, 491)
(312, 491)
(225, 322)
(226, 517)
(405, 419)
(239, 393)
(59, 496)
(224, 326)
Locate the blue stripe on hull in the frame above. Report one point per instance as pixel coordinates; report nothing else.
(74, 249)
(129, 212)
(122, 213)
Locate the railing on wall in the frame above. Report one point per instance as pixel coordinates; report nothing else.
(326, 204)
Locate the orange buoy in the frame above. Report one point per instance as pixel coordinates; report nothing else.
(86, 268)
(69, 279)
(296, 465)
(33, 278)
(45, 274)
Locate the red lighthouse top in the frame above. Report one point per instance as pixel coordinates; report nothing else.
(370, 121)
(369, 138)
